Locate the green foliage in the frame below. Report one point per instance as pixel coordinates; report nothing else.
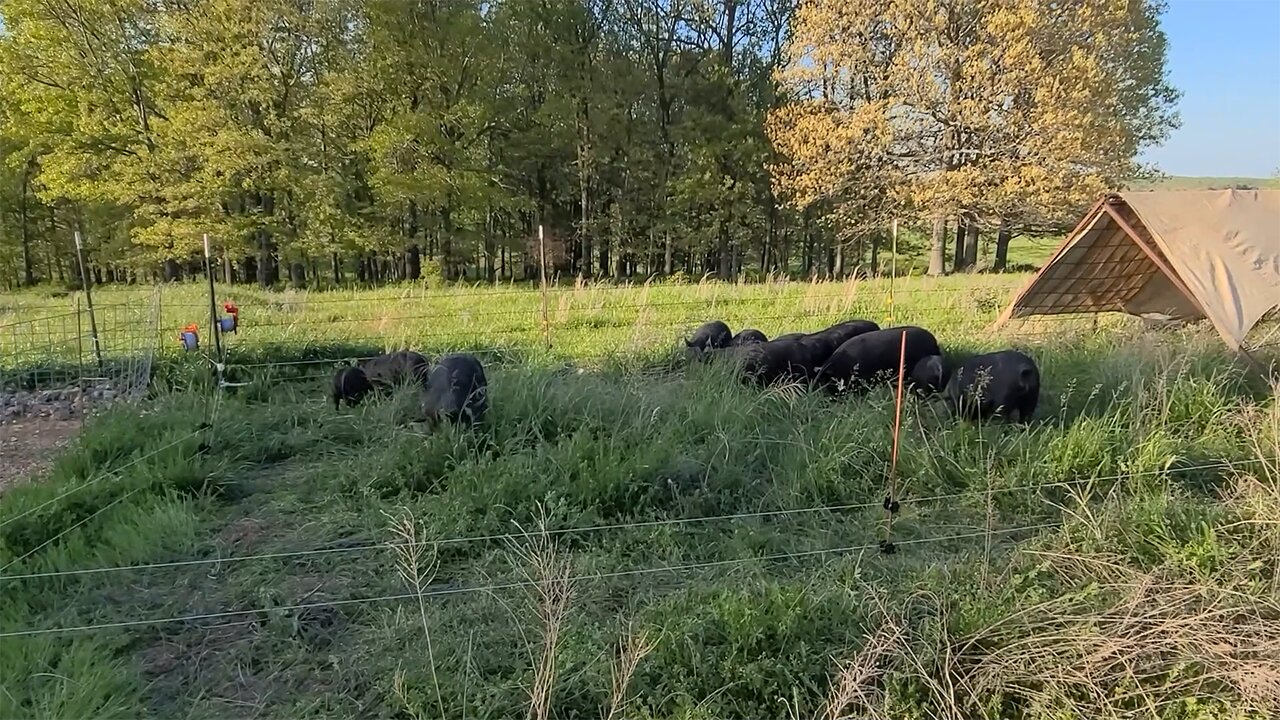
(354, 131)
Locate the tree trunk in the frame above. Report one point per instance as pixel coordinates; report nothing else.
(839, 263)
(28, 272)
(960, 258)
(667, 266)
(1003, 236)
(489, 249)
(767, 260)
(268, 268)
(874, 265)
(297, 274)
(413, 262)
(335, 263)
(584, 232)
(722, 252)
(938, 248)
(172, 273)
(604, 259)
(971, 246)
(446, 243)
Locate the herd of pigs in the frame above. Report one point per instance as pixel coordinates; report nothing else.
(857, 354)
(847, 357)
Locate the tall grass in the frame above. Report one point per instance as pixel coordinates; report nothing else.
(634, 540)
(587, 322)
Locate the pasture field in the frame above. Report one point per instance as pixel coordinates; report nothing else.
(633, 538)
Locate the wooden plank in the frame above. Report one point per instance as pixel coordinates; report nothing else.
(1085, 225)
(1155, 258)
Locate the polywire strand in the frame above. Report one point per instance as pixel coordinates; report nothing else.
(512, 585)
(604, 308)
(33, 321)
(523, 330)
(65, 531)
(303, 322)
(358, 358)
(211, 417)
(469, 292)
(852, 300)
(529, 329)
(101, 477)
(626, 526)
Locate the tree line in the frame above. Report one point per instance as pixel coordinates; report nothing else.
(379, 140)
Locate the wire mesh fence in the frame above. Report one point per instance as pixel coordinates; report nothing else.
(54, 348)
(55, 361)
(285, 332)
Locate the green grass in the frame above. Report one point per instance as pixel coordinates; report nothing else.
(584, 322)
(1108, 561)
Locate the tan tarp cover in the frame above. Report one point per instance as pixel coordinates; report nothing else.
(1187, 255)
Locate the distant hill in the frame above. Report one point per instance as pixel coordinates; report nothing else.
(1182, 182)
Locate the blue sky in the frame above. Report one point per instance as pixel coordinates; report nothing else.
(1224, 55)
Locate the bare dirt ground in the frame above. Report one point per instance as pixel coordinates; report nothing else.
(29, 444)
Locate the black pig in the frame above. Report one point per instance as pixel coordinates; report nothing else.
(1005, 382)
(771, 362)
(867, 357)
(823, 344)
(455, 389)
(350, 384)
(710, 336)
(750, 336)
(390, 369)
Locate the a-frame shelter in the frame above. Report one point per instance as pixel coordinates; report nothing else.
(1184, 255)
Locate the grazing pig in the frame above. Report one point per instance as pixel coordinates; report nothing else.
(455, 389)
(929, 375)
(390, 369)
(867, 357)
(710, 336)
(750, 336)
(771, 362)
(1005, 382)
(823, 343)
(350, 384)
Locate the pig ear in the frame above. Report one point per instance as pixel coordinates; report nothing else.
(933, 369)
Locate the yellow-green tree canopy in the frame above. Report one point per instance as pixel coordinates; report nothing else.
(992, 110)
